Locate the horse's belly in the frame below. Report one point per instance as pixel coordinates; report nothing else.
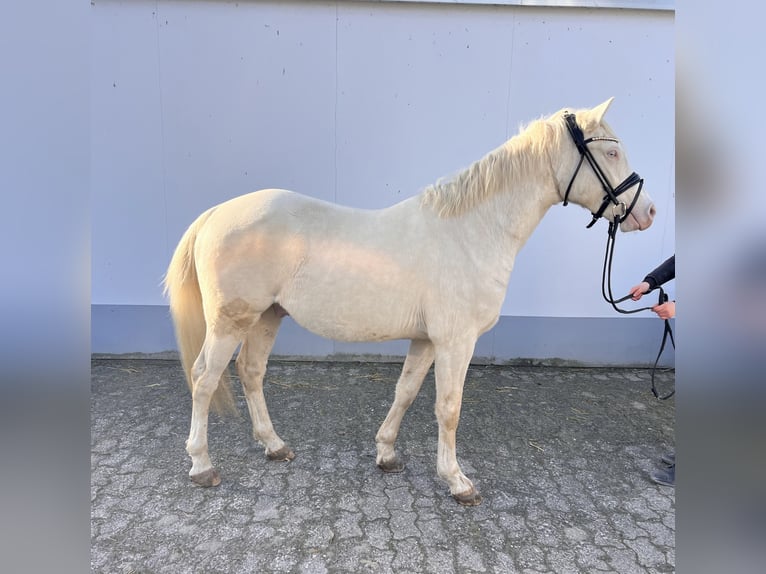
(355, 332)
(355, 309)
(349, 320)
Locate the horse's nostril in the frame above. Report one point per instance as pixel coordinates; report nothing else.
(652, 211)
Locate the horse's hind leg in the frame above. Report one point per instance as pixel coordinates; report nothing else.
(251, 366)
(207, 370)
(416, 365)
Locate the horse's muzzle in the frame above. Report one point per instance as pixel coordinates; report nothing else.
(640, 218)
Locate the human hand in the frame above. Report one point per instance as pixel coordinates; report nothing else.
(638, 291)
(665, 310)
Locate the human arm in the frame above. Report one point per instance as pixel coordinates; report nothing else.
(662, 274)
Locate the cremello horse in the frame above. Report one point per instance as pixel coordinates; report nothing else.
(433, 269)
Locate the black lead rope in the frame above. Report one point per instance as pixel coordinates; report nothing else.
(606, 274)
(668, 332)
(606, 292)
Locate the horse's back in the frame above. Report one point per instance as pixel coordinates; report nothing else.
(252, 209)
(285, 213)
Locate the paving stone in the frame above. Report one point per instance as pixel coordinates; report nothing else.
(560, 455)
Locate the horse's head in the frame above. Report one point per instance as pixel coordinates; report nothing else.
(596, 173)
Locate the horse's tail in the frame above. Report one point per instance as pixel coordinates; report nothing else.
(182, 288)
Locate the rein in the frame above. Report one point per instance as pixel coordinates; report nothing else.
(611, 197)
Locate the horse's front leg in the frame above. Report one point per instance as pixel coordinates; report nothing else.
(206, 373)
(451, 366)
(416, 365)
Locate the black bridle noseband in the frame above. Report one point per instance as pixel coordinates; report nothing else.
(611, 195)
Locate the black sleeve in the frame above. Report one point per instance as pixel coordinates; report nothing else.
(664, 273)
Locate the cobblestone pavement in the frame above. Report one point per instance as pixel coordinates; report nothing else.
(560, 455)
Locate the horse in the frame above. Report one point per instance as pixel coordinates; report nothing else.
(433, 269)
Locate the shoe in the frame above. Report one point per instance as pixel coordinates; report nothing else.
(665, 476)
(669, 459)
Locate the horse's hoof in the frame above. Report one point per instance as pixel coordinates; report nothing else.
(210, 477)
(284, 454)
(391, 466)
(469, 498)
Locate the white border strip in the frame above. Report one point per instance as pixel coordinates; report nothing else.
(666, 5)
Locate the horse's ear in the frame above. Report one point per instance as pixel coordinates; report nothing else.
(599, 111)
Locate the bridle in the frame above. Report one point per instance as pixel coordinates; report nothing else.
(611, 195)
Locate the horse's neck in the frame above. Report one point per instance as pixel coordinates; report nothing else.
(509, 216)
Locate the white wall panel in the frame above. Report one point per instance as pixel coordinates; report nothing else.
(129, 240)
(422, 93)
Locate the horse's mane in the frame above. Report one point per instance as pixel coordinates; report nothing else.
(496, 171)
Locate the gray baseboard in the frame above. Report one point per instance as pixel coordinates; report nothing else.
(579, 341)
